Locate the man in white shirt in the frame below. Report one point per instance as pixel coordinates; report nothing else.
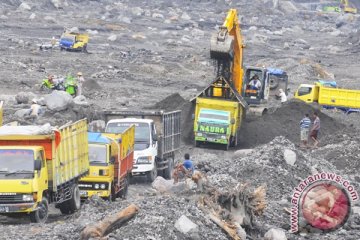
(255, 83)
(282, 95)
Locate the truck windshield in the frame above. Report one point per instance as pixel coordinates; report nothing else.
(13, 160)
(142, 133)
(68, 39)
(97, 153)
(142, 130)
(214, 116)
(304, 91)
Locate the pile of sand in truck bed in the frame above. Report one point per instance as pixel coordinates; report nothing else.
(176, 102)
(285, 121)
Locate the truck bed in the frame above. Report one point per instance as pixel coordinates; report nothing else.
(338, 97)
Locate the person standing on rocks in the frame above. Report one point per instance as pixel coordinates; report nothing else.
(80, 81)
(304, 130)
(315, 129)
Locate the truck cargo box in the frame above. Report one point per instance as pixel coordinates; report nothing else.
(339, 97)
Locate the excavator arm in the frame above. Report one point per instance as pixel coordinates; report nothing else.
(226, 48)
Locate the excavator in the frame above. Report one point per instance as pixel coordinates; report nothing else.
(236, 91)
(226, 49)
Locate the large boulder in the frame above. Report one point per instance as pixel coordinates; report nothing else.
(185, 225)
(290, 157)
(24, 97)
(162, 185)
(58, 100)
(22, 113)
(275, 234)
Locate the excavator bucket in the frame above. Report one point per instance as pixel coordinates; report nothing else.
(221, 47)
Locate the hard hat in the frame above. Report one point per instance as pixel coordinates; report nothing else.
(79, 73)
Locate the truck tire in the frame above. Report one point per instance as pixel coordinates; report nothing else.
(75, 201)
(124, 192)
(152, 174)
(274, 83)
(64, 207)
(42, 212)
(112, 197)
(168, 170)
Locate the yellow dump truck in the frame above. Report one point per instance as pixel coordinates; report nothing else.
(73, 41)
(40, 165)
(111, 159)
(217, 121)
(347, 100)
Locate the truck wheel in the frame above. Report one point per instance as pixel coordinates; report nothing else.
(42, 212)
(168, 170)
(112, 196)
(124, 192)
(274, 83)
(152, 174)
(64, 207)
(75, 201)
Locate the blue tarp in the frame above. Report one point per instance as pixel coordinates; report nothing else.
(328, 83)
(95, 137)
(276, 71)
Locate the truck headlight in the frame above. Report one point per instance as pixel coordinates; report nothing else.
(102, 186)
(199, 134)
(223, 136)
(144, 160)
(96, 186)
(27, 198)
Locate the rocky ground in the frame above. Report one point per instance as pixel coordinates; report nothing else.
(146, 54)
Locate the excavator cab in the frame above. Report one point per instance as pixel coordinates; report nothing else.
(256, 85)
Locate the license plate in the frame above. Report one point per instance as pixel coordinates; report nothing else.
(4, 209)
(83, 193)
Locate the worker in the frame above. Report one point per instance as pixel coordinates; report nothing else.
(255, 83)
(314, 132)
(186, 169)
(304, 130)
(34, 111)
(49, 82)
(282, 95)
(53, 42)
(80, 80)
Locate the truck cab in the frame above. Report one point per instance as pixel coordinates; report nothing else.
(213, 126)
(308, 93)
(101, 172)
(74, 41)
(146, 143)
(23, 179)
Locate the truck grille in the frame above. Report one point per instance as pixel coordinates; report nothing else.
(18, 198)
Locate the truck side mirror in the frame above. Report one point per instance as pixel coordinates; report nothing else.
(37, 164)
(192, 116)
(155, 137)
(232, 121)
